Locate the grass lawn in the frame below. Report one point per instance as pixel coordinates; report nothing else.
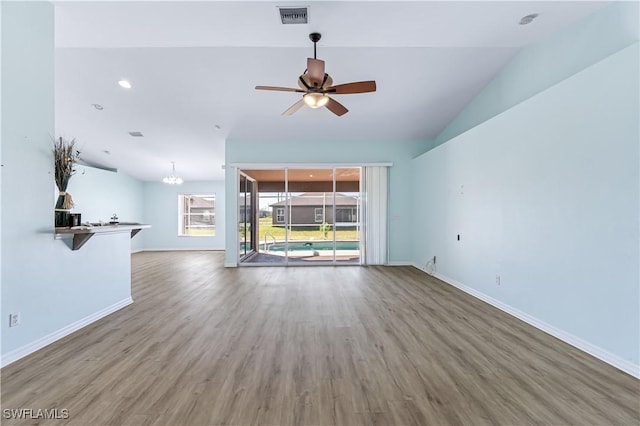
(303, 234)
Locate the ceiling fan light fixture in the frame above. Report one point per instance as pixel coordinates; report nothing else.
(315, 100)
(173, 180)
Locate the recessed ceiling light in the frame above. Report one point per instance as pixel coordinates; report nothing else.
(136, 134)
(106, 151)
(98, 107)
(528, 19)
(217, 126)
(125, 84)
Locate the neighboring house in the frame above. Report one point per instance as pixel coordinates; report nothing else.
(244, 211)
(314, 208)
(198, 211)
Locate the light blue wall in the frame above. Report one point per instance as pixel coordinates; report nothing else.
(49, 284)
(161, 212)
(546, 63)
(1, 172)
(399, 153)
(546, 195)
(98, 194)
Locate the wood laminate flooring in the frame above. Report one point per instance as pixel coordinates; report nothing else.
(205, 345)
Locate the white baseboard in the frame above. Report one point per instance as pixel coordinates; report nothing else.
(593, 350)
(399, 263)
(29, 348)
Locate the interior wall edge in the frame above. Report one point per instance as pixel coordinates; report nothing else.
(565, 219)
(538, 67)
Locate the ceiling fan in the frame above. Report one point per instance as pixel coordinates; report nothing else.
(317, 85)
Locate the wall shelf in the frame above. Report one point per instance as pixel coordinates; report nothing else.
(82, 234)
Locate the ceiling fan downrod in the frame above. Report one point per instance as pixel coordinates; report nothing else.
(315, 37)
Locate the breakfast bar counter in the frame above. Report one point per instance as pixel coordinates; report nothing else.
(82, 234)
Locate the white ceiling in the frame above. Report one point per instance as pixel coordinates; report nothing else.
(194, 65)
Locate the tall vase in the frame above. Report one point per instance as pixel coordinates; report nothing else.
(60, 213)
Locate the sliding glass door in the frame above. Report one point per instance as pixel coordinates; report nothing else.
(272, 218)
(305, 216)
(247, 217)
(347, 213)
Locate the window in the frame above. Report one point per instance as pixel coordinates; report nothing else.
(318, 215)
(348, 214)
(280, 215)
(196, 215)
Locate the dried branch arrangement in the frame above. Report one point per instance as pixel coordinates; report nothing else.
(65, 157)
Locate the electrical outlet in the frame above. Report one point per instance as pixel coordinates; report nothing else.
(498, 279)
(14, 319)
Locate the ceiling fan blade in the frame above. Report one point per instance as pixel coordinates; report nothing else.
(356, 87)
(315, 69)
(293, 108)
(279, 89)
(336, 107)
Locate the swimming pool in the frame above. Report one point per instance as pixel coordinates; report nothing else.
(315, 245)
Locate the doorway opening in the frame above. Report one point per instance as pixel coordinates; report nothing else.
(301, 216)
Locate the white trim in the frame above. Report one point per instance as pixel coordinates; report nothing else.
(593, 350)
(400, 263)
(415, 265)
(137, 251)
(182, 214)
(265, 166)
(40, 343)
(230, 265)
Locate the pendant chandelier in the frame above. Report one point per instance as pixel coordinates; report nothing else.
(173, 178)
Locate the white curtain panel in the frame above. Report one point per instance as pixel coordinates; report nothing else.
(375, 220)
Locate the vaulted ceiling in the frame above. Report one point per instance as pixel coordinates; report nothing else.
(193, 67)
